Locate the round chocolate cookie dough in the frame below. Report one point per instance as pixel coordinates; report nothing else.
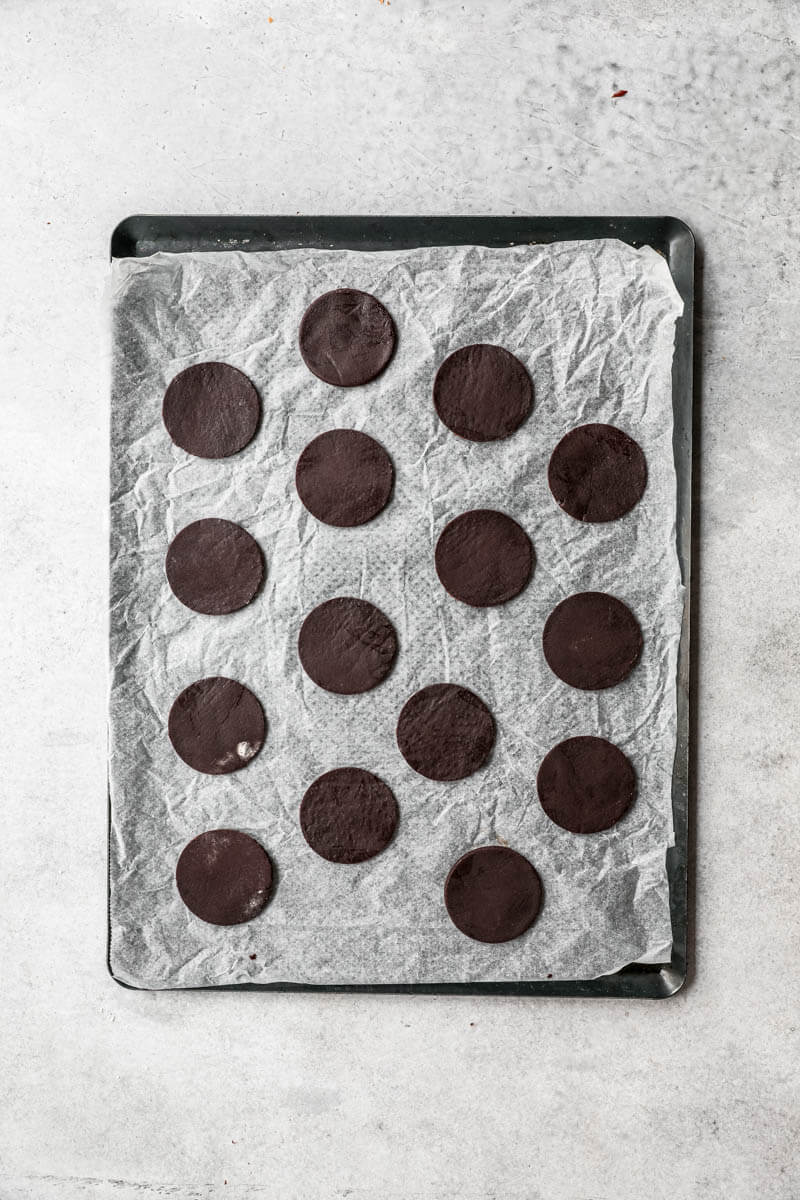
(484, 557)
(211, 410)
(214, 566)
(592, 641)
(482, 392)
(217, 725)
(348, 815)
(586, 784)
(493, 894)
(347, 645)
(344, 477)
(224, 877)
(597, 473)
(347, 337)
(445, 732)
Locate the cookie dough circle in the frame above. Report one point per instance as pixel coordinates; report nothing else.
(586, 784)
(592, 641)
(597, 473)
(482, 392)
(211, 410)
(484, 558)
(224, 877)
(217, 725)
(348, 815)
(344, 477)
(214, 566)
(493, 894)
(347, 337)
(347, 645)
(445, 732)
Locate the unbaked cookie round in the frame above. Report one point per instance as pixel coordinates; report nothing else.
(484, 558)
(211, 410)
(586, 784)
(493, 894)
(482, 392)
(348, 815)
(347, 337)
(214, 566)
(217, 725)
(344, 477)
(445, 732)
(592, 641)
(347, 645)
(224, 877)
(597, 473)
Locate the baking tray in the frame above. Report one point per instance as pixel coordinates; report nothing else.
(140, 236)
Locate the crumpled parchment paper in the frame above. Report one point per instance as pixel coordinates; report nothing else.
(594, 324)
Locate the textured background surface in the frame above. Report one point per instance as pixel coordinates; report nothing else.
(114, 107)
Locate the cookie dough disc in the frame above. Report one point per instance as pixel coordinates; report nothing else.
(347, 337)
(224, 877)
(592, 641)
(344, 477)
(445, 732)
(484, 557)
(217, 725)
(211, 410)
(348, 815)
(347, 645)
(597, 473)
(493, 894)
(214, 566)
(586, 784)
(482, 393)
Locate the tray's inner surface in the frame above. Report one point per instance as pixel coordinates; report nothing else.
(140, 236)
(187, 487)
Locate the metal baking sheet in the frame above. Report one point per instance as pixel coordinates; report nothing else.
(143, 235)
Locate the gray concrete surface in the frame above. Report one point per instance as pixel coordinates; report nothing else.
(415, 106)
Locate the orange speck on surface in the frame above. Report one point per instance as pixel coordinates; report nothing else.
(269, 20)
(616, 95)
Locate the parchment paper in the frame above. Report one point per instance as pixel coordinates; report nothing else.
(594, 324)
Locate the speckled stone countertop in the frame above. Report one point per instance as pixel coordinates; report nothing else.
(413, 106)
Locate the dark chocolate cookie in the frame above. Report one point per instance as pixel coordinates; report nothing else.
(493, 894)
(214, 566)
(445, 732)
(211, 410)
(347, 645)
(484, 557)
(586, 784)
(592, 641)
(348, 815)
(347, 337)
(217, 725)
(344, 477)
(597, 473)
(224, 877)
(482, 392)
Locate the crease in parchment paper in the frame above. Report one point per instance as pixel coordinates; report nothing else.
(593, 322)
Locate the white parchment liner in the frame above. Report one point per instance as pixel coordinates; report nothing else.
(594, 324)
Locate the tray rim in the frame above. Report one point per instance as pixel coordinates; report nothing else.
(141, 235)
